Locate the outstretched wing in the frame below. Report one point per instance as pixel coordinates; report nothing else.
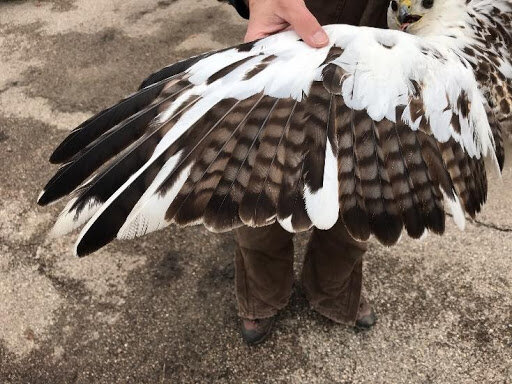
(375, 130)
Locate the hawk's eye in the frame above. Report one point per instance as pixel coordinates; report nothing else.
(394, 6)
(427, 3)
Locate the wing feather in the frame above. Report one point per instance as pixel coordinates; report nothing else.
(259, 203)
(291, 208)
(221, 212)
(352, 204)
(105, 147)
(190, 204)
(376, 187)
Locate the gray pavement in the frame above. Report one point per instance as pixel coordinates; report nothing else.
(162, 309)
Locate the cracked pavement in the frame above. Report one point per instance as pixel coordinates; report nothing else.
(162, 309)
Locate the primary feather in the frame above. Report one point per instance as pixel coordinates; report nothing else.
(376, 129)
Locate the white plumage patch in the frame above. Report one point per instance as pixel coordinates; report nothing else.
(322, 205)
(69, 219)
(456, 211)
(148, 215)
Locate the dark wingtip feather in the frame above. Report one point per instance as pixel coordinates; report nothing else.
(386, 228)
(172, 70)
(43, 199)
(436, 220)
(52, 192)
(414, 223)
(357, 223)
(102, 122)
(221, 214)
(61, 153)
(500, 155)
(105, 228)
(93, 241)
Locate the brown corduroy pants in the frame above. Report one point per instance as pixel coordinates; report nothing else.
(332, 272)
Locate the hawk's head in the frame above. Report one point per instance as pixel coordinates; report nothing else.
(421, 16)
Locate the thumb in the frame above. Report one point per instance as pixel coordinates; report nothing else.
(254, 32)
(307, 26)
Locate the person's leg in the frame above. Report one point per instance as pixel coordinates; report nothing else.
(263, 277)
(264, 260)
(332, 275)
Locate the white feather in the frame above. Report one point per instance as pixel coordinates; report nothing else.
(456, 210)
(69, 219)
(148, 215)
(323, 205)
(286, 223)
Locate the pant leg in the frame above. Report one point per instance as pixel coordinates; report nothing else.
(263, 270)
(332, 273)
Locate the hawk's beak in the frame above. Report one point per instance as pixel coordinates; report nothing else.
(405, 18)
(403, 13)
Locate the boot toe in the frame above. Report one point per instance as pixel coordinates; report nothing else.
(256, 331)
(366, 322)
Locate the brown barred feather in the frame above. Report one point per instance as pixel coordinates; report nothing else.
(480, 174)
(317, 109)
(259, 204)
(428, 192)
(291, 198)
(497, 133)
(221, 212)
(333, 77)
(352, 205)
(387, 226)
(471, 197)
(375, 184)
(401, 182)
(212, 157)
(463, 174)
(452, 166)
(435, 163)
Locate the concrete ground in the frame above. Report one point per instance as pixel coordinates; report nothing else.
(162, 309)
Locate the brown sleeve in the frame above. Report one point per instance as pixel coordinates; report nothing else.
(241, 7)
(375, 14)
(354, 12)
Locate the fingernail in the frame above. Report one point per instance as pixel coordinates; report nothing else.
(320, 37)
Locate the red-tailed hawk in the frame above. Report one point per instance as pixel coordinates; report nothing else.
(380, 129)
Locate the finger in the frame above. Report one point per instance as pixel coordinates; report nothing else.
(306, 25)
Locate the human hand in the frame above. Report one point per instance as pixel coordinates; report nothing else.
(270, 16)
